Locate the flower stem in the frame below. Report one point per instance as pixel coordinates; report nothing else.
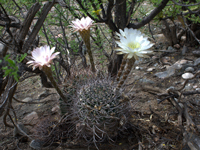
(130, 63)
(47, 71)
(85, 34)
(122, 66)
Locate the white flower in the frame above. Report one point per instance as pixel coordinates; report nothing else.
(133, 43)
(42, 56)
(83, 24)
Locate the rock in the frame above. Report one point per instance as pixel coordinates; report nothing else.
(137, 68)
(188, 87)
(192, 140)
(136, 77)
(56, 109)
(31, 117)
(181, 62)
(197, 61)
(36, 144)
(3, 50)
(183, 38)
(187, 75)
(196, 53)
(165, 74)
(159, 36)
(155, 57)
(150, 69)
(171, 49)
(155, 65)
(44, 94)
(146, 81)
(184, 50)
(189, 69)
(177, 46)
(171, 69)
(197, 89)
(27, 99)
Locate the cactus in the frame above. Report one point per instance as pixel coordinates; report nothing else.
(99, 112)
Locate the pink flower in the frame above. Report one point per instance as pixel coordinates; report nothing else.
(83, 24)
(42, 56)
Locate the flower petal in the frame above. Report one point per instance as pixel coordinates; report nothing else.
(133, 43)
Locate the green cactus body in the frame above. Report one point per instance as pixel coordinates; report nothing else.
(98, 110)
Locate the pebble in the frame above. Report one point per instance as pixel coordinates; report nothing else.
(196, 53)
(184, 50)
(181, 62)
(31, 117)
(197, 61)
(171, 49)
(189, 69)
(44, 94)
(136, 77)
(2, 50)
(197, 89)
(36, 144)
(187, 75)
(146, 81)
(177, 46)
(27, 99)
(55, 109)
(137, 68)
(188, 87)
(150, 69)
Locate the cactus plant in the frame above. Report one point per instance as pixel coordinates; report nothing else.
(99, 111)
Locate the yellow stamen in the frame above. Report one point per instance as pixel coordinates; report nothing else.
(134, 45)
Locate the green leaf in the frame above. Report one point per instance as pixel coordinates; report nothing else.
(16, 78)
(22, 57)
(11, 62)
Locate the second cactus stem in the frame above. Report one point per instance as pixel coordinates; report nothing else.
(129, 65)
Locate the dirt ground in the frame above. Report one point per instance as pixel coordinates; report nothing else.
(156, 124)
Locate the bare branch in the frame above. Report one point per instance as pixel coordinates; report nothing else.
(47, 7)
(148, 18)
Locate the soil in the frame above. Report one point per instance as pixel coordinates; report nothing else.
(156, 124)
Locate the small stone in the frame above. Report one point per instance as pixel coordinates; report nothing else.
(195, 86)
(181, 62)
(197, 89)
(184, 50)
(189, 69)
(165, 74)
(150, 69)
(36, 144)
(183, 38)
(177, 46)
(187, 75)
(197, 61)
(55, 108)
(27, 99)
(31, 117)
(196, 53)
(146, 81)
(155, 65)
(171, 49)
(136, 77)
(155, 57)
(2, 50)
(44, 94)
(137, 68)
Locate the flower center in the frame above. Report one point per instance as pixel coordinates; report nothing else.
(133, 45)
